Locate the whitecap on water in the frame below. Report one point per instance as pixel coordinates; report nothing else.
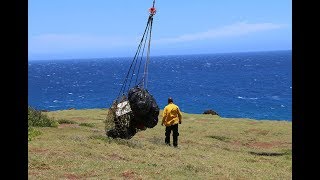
(207, 64)
(275, 97)
(240, 97)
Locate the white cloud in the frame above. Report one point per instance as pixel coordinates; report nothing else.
(65, 42)
(236, 29)
(55, 43)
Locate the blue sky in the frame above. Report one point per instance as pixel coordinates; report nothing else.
(63, 29)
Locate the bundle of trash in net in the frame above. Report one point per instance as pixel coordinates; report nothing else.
(131, 114)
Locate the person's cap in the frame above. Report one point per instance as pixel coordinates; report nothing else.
(170, 99)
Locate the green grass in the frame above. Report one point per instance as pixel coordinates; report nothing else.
(210, 147)
(65, 121)
(86, 124)
(33, 133)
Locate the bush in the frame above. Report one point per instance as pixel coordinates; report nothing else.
(38, 119)
(32, 133)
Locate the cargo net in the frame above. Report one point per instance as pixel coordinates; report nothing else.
(131, 114)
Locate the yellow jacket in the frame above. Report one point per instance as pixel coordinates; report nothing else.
(171, 115)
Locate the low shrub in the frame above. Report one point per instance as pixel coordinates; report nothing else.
(38, 119)
(33, 133)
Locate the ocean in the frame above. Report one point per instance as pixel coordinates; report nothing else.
(256, 85)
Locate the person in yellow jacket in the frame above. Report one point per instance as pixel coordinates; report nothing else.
(171, 116)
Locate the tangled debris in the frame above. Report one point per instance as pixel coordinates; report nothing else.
(131, 114)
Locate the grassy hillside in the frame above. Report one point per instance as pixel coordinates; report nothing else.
(210, 147)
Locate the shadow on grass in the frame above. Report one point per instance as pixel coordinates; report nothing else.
(156, 140)
(220, 138)
(286, 152)
(130, 143)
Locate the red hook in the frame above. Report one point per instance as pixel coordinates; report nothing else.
(153, 10)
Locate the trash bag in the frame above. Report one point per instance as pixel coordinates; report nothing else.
(143, 106)
(140, 101)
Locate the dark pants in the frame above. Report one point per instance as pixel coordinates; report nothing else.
(175, 134)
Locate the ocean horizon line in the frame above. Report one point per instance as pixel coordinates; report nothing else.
(168, 55)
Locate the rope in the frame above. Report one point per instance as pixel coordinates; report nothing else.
(148, 56)
(123, 87)
(141, 58)
(132, 69)
(136, 60)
